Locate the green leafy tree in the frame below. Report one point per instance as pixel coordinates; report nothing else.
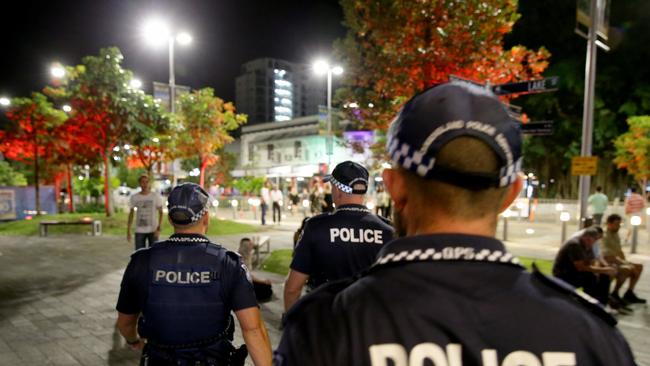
(10, 177)
(249, 185)
(28, 135)
(203, 127)
(633, 150)
(395, 49)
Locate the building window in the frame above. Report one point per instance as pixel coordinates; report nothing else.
(297, 149)
(269, 152)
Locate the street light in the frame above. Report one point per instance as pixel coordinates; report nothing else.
(66, 108)
(5, 102)
(157, 31)
(323, 67)
(135, 84)
(57, 71)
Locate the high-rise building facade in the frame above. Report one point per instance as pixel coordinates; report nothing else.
(270, 90)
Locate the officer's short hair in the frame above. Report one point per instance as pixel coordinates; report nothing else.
(467, 154)
(141, 177)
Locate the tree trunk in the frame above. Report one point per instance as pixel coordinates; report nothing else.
(202, 176)
(107, 200)
(36, 186)
(70, 192)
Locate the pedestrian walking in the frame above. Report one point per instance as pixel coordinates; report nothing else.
(146, 207)
(278, 200)
(446, 292)
(176, 297)
(634, 205)
(265, 196)
(598, 204)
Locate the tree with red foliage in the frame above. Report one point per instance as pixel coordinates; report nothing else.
(106, 111)
(28, 135)
(395, 49)
(204, 122)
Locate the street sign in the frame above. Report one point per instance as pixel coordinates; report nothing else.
(527, 87)
(539, 128)
(584, 165)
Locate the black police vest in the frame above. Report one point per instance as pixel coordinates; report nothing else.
(186, 301)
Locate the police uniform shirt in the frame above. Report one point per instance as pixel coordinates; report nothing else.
(338, 245)
(572, 251)
(449, 300)
(197, 275)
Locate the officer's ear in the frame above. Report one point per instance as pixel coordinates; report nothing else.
(395, 184)
(513, 192)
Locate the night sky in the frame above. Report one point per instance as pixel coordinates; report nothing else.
(226, 34)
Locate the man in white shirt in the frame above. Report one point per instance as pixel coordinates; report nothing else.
(276, 197)
(146, 206)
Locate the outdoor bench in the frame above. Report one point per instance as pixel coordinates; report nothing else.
(96, 225)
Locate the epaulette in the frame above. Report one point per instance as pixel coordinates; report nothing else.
(214, 249)
(581, 298)
(140, 250)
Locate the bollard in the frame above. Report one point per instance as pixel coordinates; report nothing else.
(564, 217)
(234, 205)
(506, 214)
(635, 221)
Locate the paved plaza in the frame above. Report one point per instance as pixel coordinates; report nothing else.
(57, 294)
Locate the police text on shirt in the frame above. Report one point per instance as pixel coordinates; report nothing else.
(352, 235)
(182, 277)
(432, 354)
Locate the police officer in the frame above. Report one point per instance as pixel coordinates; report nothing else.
(447, 292)
(337, 245)
(183, 290)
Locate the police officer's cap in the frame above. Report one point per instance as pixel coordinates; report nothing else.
(436, 116)
(187, 203)
(347, 175)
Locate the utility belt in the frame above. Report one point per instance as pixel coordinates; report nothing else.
(213, 351)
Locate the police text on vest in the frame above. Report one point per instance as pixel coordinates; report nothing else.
(351, 235)
(182, 278)
(432, 354)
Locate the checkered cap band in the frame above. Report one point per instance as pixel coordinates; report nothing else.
(191, 204)
(440, 114)
(341, 186)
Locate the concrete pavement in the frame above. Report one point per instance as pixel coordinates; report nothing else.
(57, 294)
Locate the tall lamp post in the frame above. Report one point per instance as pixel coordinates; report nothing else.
(323, 67)
(157, 32)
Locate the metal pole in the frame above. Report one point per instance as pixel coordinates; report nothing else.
(588, 110)
(172, 80)
(635, 238)
(563, 232)
(328, 140)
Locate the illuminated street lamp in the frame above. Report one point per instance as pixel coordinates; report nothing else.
(135, 84)
(323, 67)
(635, 221)
(156, 32)
(564, 217)
(57, 71)
(66, 108)
(5, 102)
